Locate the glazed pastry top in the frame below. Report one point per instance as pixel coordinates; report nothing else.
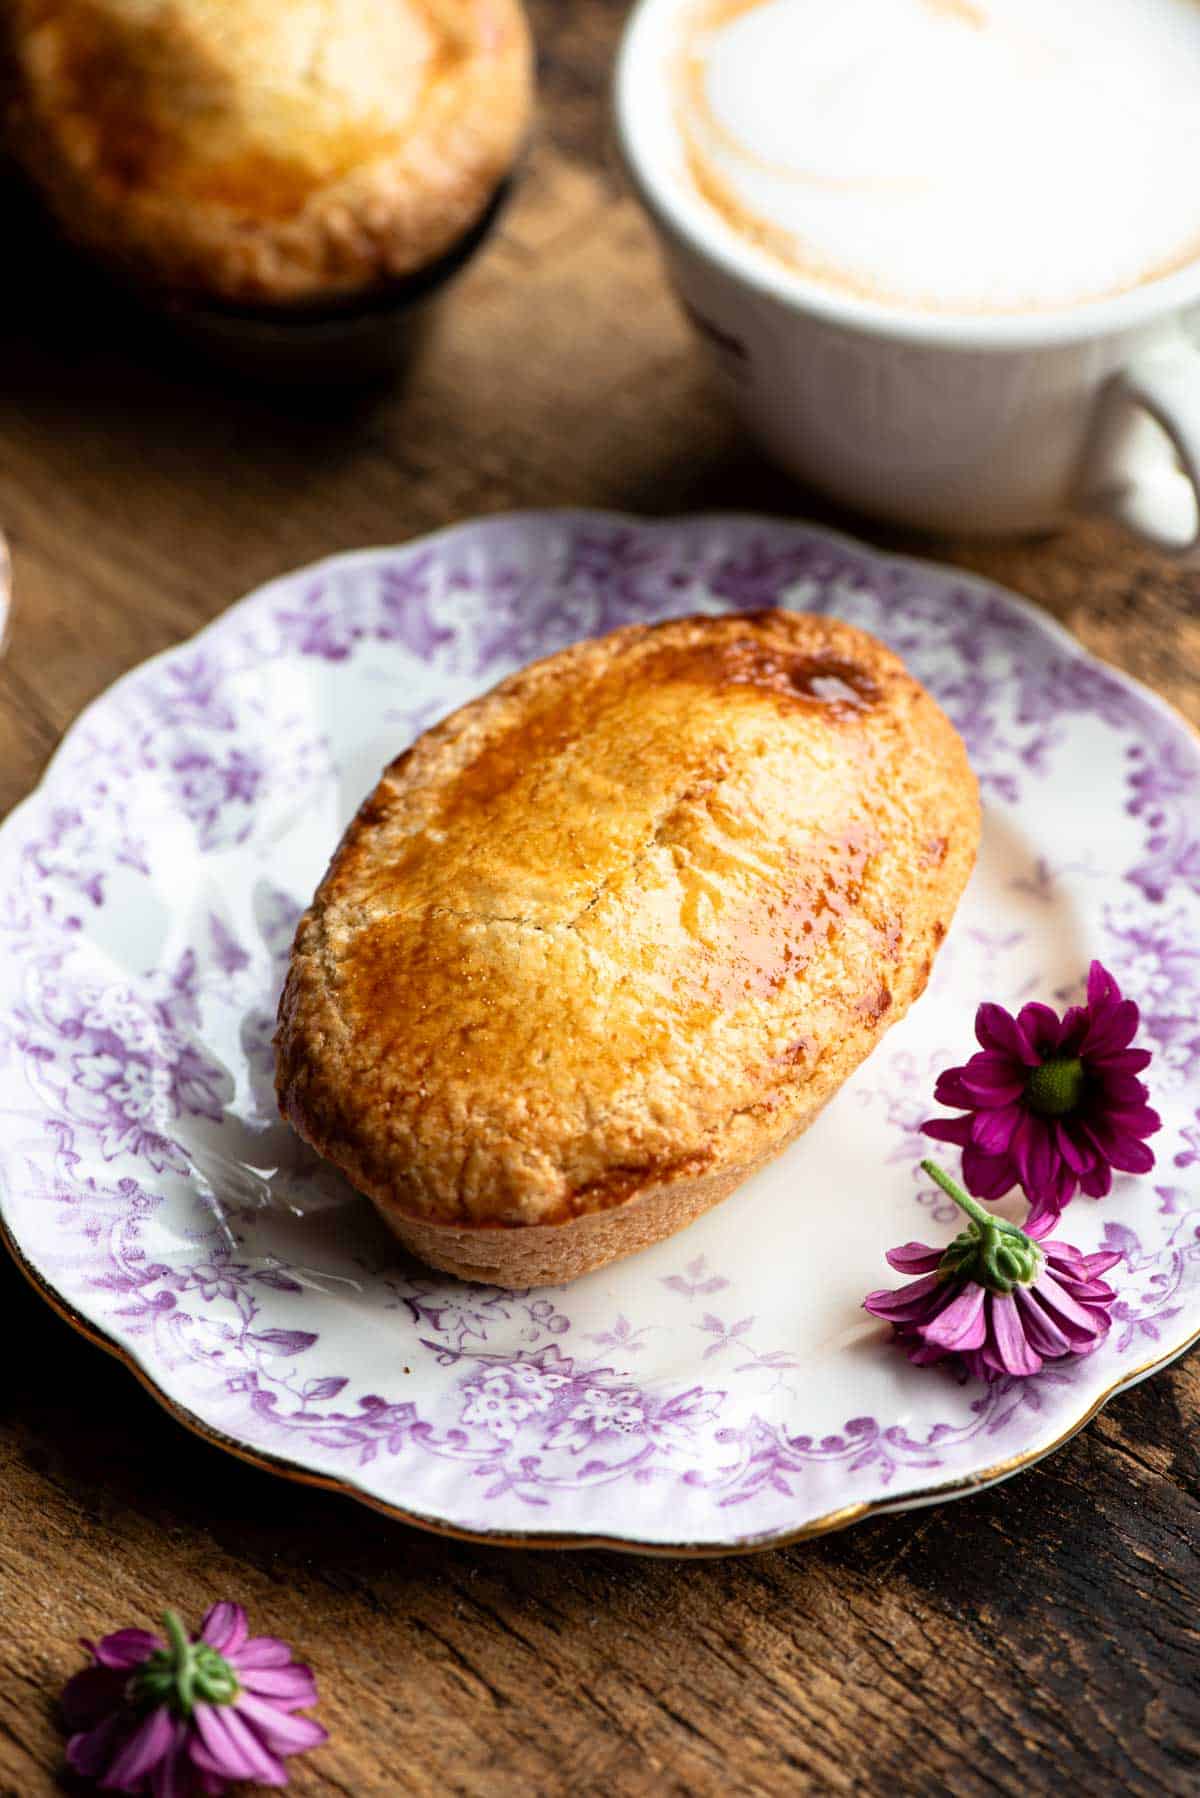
(616, 921)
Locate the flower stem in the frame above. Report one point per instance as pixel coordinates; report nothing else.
(963, 1200)
(184, 1659)
(990, 1250)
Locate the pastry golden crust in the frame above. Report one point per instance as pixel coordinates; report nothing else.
(607, 938)
(267, 151)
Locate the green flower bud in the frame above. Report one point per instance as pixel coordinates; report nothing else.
(184, 1674)
(994, 1254)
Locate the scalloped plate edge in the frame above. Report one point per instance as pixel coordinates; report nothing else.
(284, 1468)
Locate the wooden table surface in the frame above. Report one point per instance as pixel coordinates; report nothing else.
(1041, 1632)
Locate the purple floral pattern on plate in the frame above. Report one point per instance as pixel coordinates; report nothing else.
(722, 1388)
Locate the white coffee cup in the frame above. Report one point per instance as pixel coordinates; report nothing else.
(991, 425)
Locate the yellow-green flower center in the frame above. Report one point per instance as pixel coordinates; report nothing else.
(1056, 1087)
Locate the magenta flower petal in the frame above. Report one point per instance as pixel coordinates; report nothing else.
(125, 1647)
(1078, 1322)
(987, 1176)
(996, 1075)
(1045, 1212)
(997, 1029)
(233, 1748)
(1077, 1156)
(906, 1301)
(173, 1777)
(992, 1131)
(914, 1258)
(1093, 1295)
(950, 1090)
(1127, 1061)
(1127, 1154)
(90, 1752)
(962, 1324)
(224, 1628)
(208, 1765)
(955, 1130)
(1111, 1030)
(281, 1731)
(1041, 1026)
(1043, 1158)
(150, 1741)
(1044, 1336)
(1013, 1349)
(1080, 1283)
(1095, 1266)
(1097, 1182)
(1021, 1150)
(261, 1651)
(1100, 985)
(293, 1682)
(1132, 1120)
(1063, 1259)
(1123, 1089)
(979, 1366)
(91, 1695)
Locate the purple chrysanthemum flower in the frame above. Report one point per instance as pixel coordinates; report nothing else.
(184, 1716)
(1051, 1104)
(1000, 1299)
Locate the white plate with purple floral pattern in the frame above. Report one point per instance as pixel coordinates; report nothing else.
(724, 1389)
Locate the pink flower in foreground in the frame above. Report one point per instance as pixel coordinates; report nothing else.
(1051, 1104)
(186, 1716)
(1001, 1300)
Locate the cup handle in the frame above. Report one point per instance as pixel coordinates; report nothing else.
(1144, 460)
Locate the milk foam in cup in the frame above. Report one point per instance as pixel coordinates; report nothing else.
(944, 254)
(955, 155)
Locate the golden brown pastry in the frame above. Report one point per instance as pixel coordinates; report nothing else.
(607, 938)
(266, 151)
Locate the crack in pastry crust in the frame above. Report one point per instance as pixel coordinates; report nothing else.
(269, 152)
(611, 935)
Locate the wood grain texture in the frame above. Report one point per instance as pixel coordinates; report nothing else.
(1038, 1637)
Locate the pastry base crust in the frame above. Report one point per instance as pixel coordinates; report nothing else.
(552, 1254)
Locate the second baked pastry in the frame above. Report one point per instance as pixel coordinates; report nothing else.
(264, 152)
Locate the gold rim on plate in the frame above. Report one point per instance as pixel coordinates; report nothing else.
(820, 1526)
